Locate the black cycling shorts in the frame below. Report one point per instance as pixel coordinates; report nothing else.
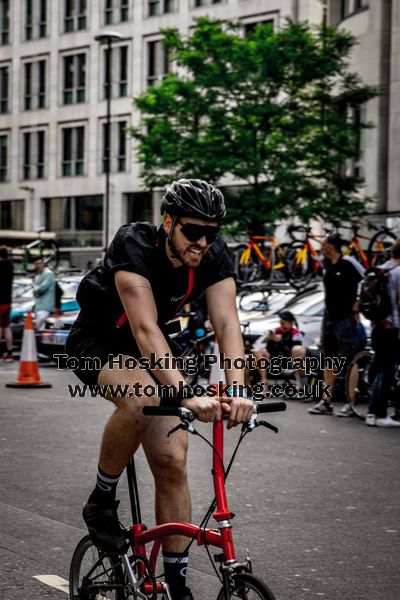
(340, 338)
(86, 341)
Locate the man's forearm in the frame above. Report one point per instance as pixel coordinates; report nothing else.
(231, 345)
(151, 338)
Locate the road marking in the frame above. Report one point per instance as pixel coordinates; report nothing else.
(54, 581)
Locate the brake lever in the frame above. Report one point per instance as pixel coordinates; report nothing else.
(267, 425)
(186, 426)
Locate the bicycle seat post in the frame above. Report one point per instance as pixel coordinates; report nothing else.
(133, 491)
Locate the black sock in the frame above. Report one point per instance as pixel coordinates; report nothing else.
(106, 488)
(175, 567)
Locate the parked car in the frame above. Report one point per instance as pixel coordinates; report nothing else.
(24, 301)
(308, 308)
(51, 337)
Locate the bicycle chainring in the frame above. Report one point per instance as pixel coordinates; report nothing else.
(145, 574)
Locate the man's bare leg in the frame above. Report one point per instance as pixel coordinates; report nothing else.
(126, 426)
(300, 374)
(329, 380)
(167, 460)
(122, 436)
(262, 354)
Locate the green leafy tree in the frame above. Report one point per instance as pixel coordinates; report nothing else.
(267, 110)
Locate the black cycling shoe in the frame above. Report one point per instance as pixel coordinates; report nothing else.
(104, 528)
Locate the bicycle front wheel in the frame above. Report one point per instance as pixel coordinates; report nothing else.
(95, 574)
(247, 586)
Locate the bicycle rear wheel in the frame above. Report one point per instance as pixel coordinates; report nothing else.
(246, 586)
(358, 383)
(379, 248)
(95, 575)
(248, 268)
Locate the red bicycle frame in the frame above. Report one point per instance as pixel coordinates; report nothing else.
(221, 539)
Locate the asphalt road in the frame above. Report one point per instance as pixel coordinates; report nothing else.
(317, 505)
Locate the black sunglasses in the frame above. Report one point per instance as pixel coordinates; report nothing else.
(193, 232)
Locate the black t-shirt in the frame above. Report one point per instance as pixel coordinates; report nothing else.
(341, 284)
(140, 248)
(6, 277)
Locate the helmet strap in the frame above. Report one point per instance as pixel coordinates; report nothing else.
(169, 238)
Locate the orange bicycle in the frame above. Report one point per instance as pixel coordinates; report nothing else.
(261, 259)
(302, 259)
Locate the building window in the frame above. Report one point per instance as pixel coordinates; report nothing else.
(118, 147)
(4, 88)
(75, 17)
(3, 157)
(250, 27)
(350, 7)
(12, 214)
(356, 115)
(116, 11)
(35, 85)
(4, 22)
(74, 78)
(118, 72)
(73, 150)
(160, 7)
(33, 147)
(77, 220)
(139, 207)
(158, 64)
(35, 19)
(198, 3)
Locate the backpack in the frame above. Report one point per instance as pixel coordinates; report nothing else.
(375, 298)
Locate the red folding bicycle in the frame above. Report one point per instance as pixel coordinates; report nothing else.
(96, 575)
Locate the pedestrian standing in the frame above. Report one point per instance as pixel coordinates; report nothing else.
(44, 291)
(385, 343)
(6, 279)
(340, 338)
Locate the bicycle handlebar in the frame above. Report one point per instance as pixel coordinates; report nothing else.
(180, 411)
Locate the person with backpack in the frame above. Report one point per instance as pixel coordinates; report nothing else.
(379, 301)
(340, 338)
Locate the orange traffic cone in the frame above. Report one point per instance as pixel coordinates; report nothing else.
(28, 375)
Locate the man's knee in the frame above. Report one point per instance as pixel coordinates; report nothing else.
(130, 408)
(261, 354)
(169, 466)
(298, 351)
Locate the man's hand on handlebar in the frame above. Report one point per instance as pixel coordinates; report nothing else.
(205, 409)
(239, 409)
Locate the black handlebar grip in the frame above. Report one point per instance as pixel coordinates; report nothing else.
(271, 407)
(165, 411)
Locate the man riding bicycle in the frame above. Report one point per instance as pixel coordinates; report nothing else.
(146, 276)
